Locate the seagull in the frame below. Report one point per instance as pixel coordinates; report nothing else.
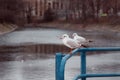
(80, 40)
(69, 42)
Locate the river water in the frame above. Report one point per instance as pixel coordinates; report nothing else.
(51, 36)
(43, 67)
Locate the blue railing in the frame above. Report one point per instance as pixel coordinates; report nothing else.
(61, 60)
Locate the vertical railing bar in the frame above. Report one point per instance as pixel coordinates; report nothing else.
(57, 65)
(62, 66)
(83, 64)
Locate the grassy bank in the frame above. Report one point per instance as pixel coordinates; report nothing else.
(6, 28)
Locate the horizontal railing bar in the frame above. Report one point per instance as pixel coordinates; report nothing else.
(100, 49)
(96, 75)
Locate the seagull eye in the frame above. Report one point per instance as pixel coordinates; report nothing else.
(64, 36)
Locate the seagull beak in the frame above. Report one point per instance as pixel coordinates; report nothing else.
(60, 38)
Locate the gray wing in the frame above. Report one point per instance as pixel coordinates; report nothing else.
(72, 44)
(81, 40)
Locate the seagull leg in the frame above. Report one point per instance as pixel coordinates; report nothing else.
(70, 50)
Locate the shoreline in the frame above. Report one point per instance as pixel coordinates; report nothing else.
(7, 28)
(77, 27)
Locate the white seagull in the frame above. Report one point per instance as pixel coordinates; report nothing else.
(69, 42)
(80, 40)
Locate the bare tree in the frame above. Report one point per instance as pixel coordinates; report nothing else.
(11, 10)
(28, 12)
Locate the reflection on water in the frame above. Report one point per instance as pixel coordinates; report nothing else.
(44, 68)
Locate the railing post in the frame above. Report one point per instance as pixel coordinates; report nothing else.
(83, 64)
(57, 65)
(61, 61)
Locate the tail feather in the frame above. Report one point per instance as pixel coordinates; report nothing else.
(85, 46)
(90, 41)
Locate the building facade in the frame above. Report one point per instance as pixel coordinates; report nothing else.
(37, 8)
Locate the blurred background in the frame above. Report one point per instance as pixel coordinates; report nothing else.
(30, 32)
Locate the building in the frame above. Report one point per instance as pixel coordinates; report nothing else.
(36, 8)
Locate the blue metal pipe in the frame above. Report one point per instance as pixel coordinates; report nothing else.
(103, 75)
(100, 49)
(61, 61)
(83, 64)
(57, 65)
(95, 75)
(62, 66)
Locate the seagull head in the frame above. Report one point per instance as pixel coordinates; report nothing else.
(64, 36)
(74, 34)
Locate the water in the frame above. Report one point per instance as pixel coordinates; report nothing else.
(51, 36)
(44, 68)
(26, 66)
(37, 36)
